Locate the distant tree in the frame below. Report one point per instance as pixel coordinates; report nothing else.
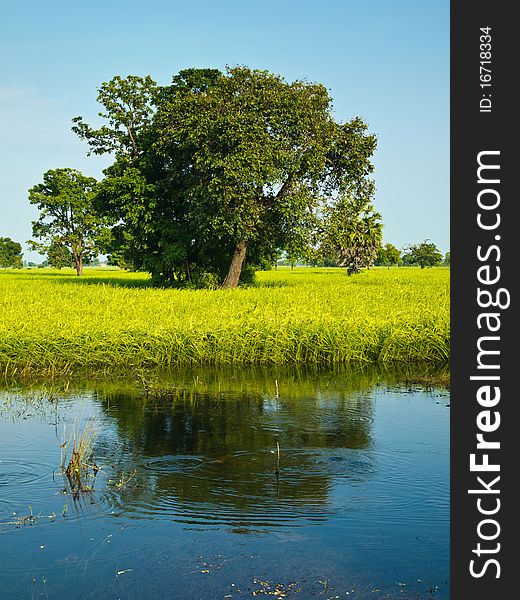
(425, 254)
(10, 253)
(299, 248)
(328, 261)
(406, 257)
(68, 225)
(447, 259)
(353, 229)
(388, 255)
(380, 259)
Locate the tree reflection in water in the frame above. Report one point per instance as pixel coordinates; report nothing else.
(205, 451)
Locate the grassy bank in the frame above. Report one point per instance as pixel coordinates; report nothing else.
(108, 321)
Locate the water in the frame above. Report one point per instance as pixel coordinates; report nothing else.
(187, 504)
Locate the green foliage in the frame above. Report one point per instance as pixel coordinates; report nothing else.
(305, 316)
(58, 255)
(425, 254)
(219, 170)
(447, 259)
(352, 229)
(10, 253)
(69, 228)
(127, 107)
(388, 255)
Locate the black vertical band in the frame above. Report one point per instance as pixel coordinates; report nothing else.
(484, 133)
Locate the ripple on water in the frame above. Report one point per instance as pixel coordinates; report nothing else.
(15, 473)
(177, 463)
(241, 489)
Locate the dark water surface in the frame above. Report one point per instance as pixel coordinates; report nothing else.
(187, 504)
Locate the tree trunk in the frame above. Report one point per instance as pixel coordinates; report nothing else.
(78, 261)
(237, 262)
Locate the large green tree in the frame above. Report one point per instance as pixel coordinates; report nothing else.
(222, 168)
(68, 225)
(10, 253)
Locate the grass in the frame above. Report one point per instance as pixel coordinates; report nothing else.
(77, 462)
(113, 321)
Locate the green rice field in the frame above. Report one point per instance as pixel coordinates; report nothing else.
(53, 322)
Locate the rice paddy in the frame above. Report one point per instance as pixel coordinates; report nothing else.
(53, 322)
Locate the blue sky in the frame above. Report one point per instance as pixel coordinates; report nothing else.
(387, 62)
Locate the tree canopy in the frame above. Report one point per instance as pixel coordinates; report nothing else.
(352, 229)
(425, 254)
(221, 170)
(69, 228)
(128, 107)
(10, 253)
(388, 255)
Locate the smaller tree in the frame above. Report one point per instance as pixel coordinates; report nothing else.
(68, 226)
(425, 254)
(388, 255)
(10, 253)
(447, 259)
(353, 229)
(300, 245)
